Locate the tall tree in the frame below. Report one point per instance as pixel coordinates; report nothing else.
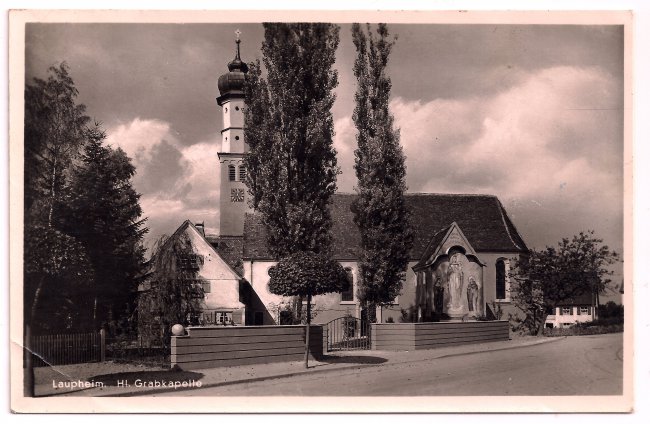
(103, 213)
(291, 162)
(545, 278)
(380, 211)
(175, 292)
(55, 128)
(289, 130)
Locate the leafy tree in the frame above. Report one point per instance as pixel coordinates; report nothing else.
(57, 269)
(289, 128)
(545, 278)
(380, 211)
(175, 294)
(55, 128)
(103, 212)
(291, 162)
(306, 274)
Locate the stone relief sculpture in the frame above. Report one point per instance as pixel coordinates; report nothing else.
(473, 295)
(455, 284)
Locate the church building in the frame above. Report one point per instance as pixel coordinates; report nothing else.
(463, 248)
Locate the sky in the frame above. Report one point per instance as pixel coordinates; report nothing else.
(530, 113)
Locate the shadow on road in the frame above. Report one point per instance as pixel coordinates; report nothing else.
(147, 377)
(361, 359)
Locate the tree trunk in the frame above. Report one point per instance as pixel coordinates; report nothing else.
(37, 295)
(307, 327)
(28, 383)
(540, 329)
(52, 193)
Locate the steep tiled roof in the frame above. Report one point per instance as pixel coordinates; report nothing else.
(230, 248)
(482, 219)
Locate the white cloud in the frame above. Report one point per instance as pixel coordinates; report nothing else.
(554, 138)
(176, 182)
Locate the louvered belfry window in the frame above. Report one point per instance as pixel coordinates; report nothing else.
(232, 173)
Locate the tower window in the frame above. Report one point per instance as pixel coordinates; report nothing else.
(236, 137)
(231, 173)
(242, 173)
(236, 107)
(226, 110)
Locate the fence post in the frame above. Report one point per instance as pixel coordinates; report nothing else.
(102, 344)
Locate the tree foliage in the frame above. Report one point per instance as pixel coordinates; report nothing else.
(55, 128)
(543, 279)
(306, 274)
(380, 211)
(291, 162)
(57, 278)
(104, 214)
(78, 194)
(175, 290)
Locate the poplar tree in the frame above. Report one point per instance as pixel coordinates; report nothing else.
(289, 129)
(291, 162)
(380, 211)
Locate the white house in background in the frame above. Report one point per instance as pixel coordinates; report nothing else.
(222, 292)
(578, 310)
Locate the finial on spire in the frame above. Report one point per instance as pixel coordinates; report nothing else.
(237, 34)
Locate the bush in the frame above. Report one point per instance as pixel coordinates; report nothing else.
(579, 330)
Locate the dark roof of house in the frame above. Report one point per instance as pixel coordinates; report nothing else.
(481, 218)
(230, 248)
(583, 299)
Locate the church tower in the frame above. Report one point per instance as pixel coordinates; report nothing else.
(233, 203)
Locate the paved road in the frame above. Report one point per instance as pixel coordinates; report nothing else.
(587, 365)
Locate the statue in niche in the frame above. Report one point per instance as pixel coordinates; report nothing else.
(473, 295)
(438, 295)
(455, 282)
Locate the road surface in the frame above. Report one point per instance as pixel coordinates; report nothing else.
(586, 365)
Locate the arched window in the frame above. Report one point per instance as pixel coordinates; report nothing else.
(242, 173)
(231, 172)
(347, 294)
(502, 279)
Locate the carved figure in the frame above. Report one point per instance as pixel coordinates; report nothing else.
(473, 295)
(455, 282)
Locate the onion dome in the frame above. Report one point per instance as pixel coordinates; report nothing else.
(235, 78)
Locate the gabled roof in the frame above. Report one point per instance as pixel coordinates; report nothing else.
(482, 218)
(441, 242)
(187, 224)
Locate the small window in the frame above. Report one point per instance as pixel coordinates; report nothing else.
(584, 310)
(236, 107)
(501, 279)
(347, 295)
(190, 262)
(567, 311)
(206, 287)
(236, 137)
(223, 318)
(232, 172)
(242, 173)
(226, 110)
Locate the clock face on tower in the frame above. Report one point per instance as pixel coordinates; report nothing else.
(236, 194)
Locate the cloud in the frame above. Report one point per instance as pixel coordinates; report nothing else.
(550, 146)
(176, 182)
(555, 139)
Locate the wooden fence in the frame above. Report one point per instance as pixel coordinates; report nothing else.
(209, 347)
(414, 336)
(63, 349)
